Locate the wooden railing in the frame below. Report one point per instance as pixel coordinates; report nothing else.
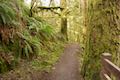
(109, 69)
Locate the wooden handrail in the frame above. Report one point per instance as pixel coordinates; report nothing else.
(109, 68)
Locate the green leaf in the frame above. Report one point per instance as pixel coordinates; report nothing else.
(3, 19)
(26, 52)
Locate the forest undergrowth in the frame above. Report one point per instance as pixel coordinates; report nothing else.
(25, 39)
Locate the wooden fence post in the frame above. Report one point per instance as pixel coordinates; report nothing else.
(104, 69)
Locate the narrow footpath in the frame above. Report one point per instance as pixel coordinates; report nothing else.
(68, 66)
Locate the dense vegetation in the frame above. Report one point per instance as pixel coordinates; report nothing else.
(23, 36)
(103, 32)
(28, 35)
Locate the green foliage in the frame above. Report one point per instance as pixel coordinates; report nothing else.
(47, 59)
(3, 66)
(7, 13)
(31, 45)
(103, 30)
(25, 10)
(26, 40)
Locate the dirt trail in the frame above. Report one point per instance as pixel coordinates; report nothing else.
(68, 67)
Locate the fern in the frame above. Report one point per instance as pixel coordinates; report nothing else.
(23, 43)
(7, 14)
(32, 44)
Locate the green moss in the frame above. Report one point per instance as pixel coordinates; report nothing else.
(47, 59)
(101, 35)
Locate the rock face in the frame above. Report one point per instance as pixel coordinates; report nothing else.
(103, 31)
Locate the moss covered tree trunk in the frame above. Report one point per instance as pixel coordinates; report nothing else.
(103, 31)
(64, 28)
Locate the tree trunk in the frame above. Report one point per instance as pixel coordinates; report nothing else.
(103, 29)
(64, 28)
